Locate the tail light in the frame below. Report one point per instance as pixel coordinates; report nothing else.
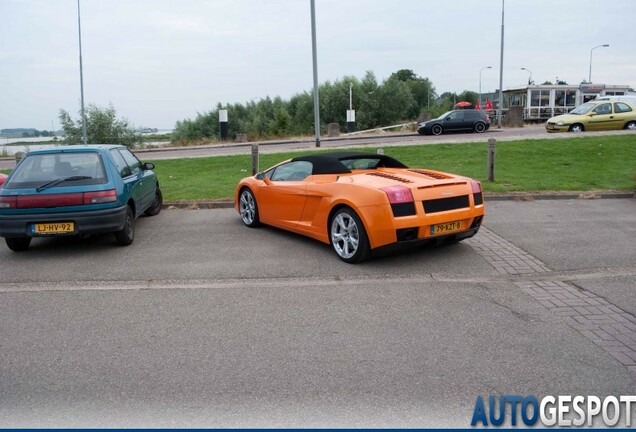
(401, 199)
(8, 202)
(100, 197)
(478, 195)
(58, 200)
(398, 194)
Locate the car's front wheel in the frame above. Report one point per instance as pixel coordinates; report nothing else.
(348, 236)
(126, 236)
(631, 125)
(156, 205)
(248, 208)
(437, 130)
(577, 127)
(480, 127)
(18, 244)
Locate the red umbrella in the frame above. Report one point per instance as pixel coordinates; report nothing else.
(488, 104)
(462, 104)
(477, 106)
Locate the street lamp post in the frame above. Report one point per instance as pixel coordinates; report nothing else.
(480, 70)
(589, 77)
(530, 77)
(79, 30)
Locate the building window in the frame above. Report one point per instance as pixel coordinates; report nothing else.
(565, 98)
(540, 98)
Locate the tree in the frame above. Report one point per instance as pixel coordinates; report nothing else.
(102, 127)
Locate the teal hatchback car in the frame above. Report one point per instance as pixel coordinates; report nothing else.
(77, 190)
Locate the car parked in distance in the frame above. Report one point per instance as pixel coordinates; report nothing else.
(361, 203)
(595, 115)
(463, 120)
(3, 177)
(77, 190)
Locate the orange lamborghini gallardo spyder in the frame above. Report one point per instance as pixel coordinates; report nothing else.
(361, 202)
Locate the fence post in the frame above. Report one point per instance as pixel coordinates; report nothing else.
(492, 143)
(254, 159)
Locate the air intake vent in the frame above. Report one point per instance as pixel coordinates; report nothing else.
(445, 204)
(431, 174)
(389, 176)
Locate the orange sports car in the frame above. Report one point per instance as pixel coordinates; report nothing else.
(361, 202)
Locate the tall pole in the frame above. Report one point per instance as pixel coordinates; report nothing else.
(480, 70)
(589, 77)
(501, 68)
(315, 60)
(350, 96)
(79, 28)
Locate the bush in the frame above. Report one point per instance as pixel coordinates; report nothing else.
(102, 127)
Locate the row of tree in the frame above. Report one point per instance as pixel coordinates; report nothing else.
(403, 96)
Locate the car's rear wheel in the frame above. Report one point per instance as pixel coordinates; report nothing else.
(480, 127)
(631, 125)
(126, 236)
(18, 244)
(437, 130)
(248, 208)
(348, 236)
(156, 205)
(577, 127)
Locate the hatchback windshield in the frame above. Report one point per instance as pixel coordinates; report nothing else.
(583, 109)
(443, 116)
(39, 169)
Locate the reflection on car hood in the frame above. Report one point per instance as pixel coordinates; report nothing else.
(566, 118)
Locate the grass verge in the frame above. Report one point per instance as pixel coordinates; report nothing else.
(579, 164)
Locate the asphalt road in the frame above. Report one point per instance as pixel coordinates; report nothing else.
(373, 140)
(203, 322)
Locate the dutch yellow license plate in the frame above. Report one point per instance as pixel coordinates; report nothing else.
(53, 228)
(446, 228)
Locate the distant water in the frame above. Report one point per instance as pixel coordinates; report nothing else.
(11, 150)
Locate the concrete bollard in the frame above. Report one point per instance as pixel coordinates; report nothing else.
(333, 130)
(492, 144)
(254, 159)
(19, 156)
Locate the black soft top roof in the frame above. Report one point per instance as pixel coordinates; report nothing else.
(330, 163)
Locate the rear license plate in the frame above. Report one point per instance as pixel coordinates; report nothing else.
(446, 228)
(53, 228)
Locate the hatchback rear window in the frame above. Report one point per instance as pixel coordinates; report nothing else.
(36, 170)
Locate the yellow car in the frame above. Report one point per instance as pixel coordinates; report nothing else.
(595, 115)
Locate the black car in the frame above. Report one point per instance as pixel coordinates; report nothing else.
(463, 120)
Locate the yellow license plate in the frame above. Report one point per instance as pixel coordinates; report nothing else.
(446, 228)
(53, 228)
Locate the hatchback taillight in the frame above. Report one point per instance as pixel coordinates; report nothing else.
(100, 197)
(8, 202)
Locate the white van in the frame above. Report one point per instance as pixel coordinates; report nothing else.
(622, 98)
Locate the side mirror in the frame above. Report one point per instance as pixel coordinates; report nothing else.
(260, 176)
(149, 166)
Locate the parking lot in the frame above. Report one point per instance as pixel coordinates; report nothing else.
(205, 323)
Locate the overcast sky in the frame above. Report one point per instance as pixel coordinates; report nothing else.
(160, 61)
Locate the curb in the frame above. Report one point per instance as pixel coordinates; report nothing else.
(514, 196)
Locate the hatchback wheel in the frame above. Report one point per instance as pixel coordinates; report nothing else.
(18, 244)
(126, 236)
(576, 128)
(480, 127)
(348, 236)
(631, 125)
(437, 130)
(156, 205)
(248, 208)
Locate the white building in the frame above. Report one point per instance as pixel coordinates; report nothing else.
(540, 102)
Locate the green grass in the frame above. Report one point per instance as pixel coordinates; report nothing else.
(573, 164)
